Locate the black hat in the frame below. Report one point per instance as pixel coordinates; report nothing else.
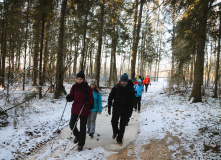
(81, 74)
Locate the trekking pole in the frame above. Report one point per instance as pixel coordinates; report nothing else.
(74, 126)
(59, 124)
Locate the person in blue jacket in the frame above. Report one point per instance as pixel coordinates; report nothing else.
(96, 110)
(139, 89)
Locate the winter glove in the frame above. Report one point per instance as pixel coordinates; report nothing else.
(99, 112)
(109, 111)
(68, 97)
(150, 84)
(136, 92)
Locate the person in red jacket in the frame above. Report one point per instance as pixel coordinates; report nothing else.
(82, 96)
(146, 82)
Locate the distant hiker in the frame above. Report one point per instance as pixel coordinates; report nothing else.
(123, 96)
(139, 89)
(82, 96)
(147, 82)
(135, 80)
(97, 108)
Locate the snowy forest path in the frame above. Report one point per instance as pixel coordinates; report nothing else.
(103, 133)
(102, 138)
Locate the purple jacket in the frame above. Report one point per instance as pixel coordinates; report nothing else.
(79, 99)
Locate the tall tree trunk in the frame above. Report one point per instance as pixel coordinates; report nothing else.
(105, 67)
(18, 57)
(133, 57)
(60, 67)
(12, 59)
(26, 39)
(192, 69)
(45, 53)
(84, 40)
(3, 51)
(159, 59)
(217, 60)
(26, 42)
(91, 62)
(209, 65)
(142, 54)
(100, 34)
(135, 44)
(113, 48)
(199, 66)
(155, 72)
(41, 51)
(173, 40)
(75, 57)
(36, 49)
(85, 55)
(115, 61)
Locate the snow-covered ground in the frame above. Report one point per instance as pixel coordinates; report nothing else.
(189, 130)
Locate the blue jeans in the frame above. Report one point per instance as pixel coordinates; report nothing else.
(91, 122)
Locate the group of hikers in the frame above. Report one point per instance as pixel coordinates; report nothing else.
(123, 99)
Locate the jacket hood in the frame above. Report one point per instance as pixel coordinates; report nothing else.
(130, 83)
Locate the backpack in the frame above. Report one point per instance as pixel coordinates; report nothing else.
(86, 96)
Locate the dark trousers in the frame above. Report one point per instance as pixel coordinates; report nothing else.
(130, 114)
(82, 134)
(146, 86)
(138, 99)
(119, 131)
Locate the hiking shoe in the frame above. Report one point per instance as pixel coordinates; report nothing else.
(139, 111)
(120, 143)
(75, 140)
(114, 136)
(80, 148)
(91, 135)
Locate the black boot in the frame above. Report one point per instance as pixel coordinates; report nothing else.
(80, 148)
(119, 140)
(75, 140)
(91, 135)
(114, 136)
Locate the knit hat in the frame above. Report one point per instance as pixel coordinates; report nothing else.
(81, 74)
(93, 81)
(124, 77)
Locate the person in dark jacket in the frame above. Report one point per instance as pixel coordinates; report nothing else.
(123, 95)
(82, 96)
